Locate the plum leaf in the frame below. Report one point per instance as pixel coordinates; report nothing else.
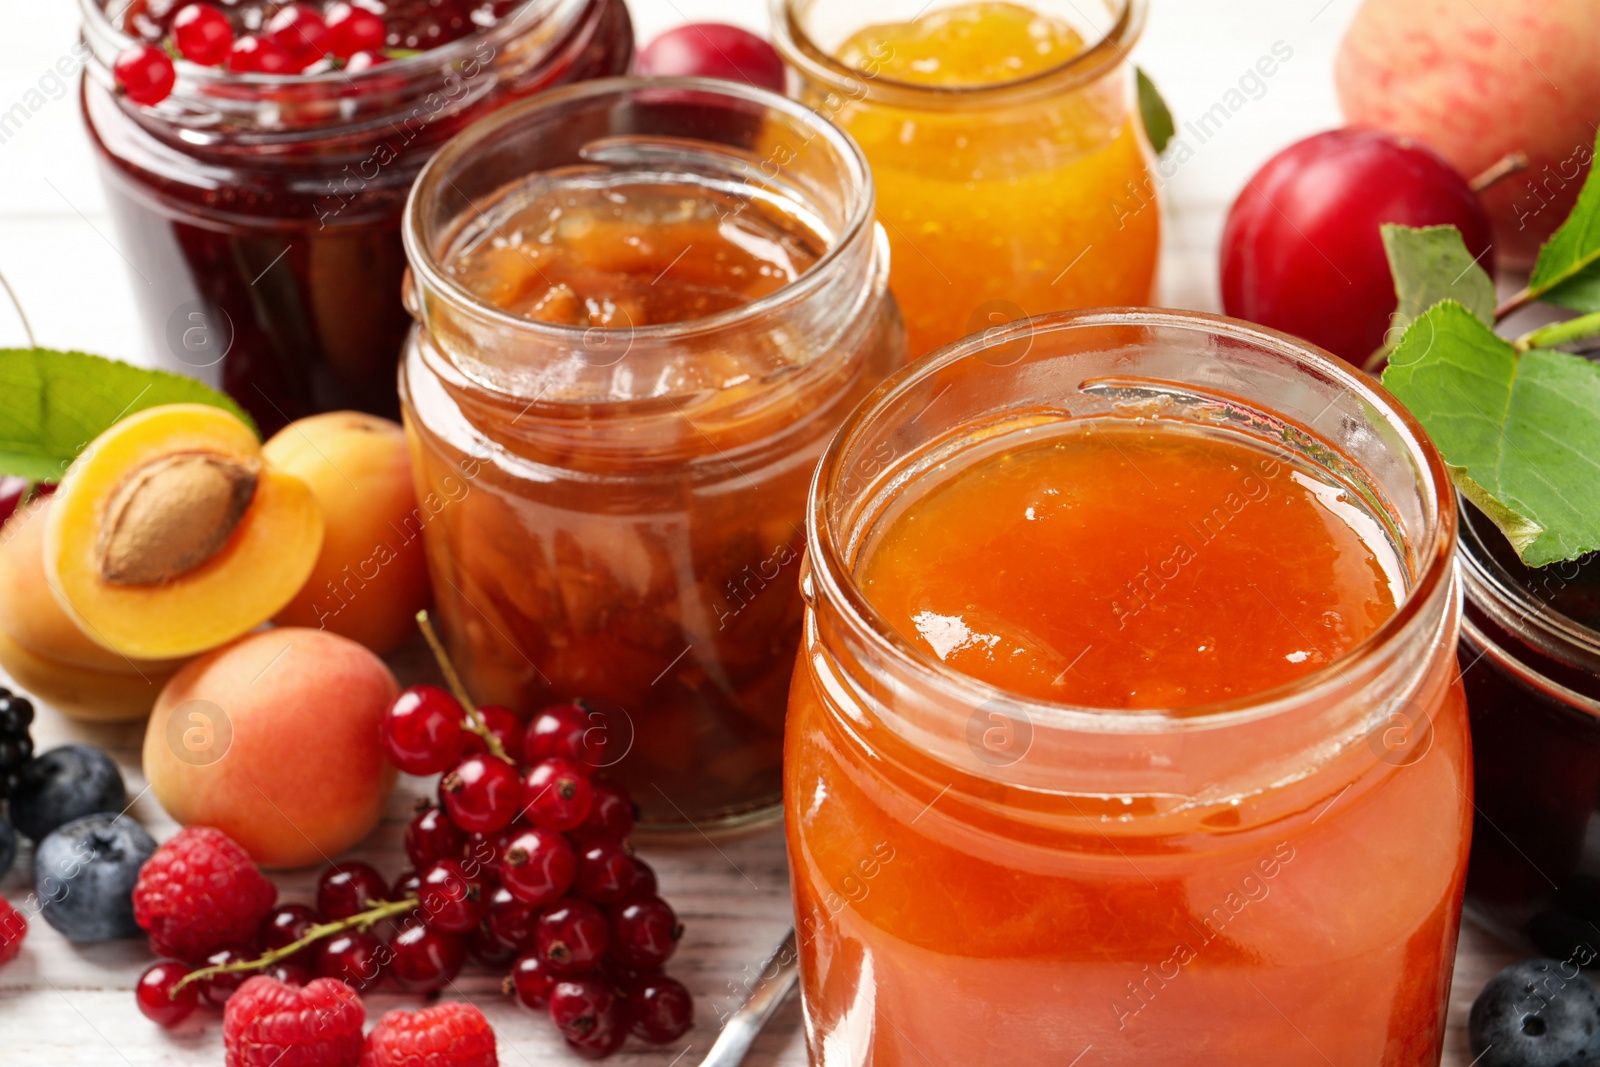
(1568, 269)
(1431, 264)
(1520, 433)
(1158, 124)
(52, 404)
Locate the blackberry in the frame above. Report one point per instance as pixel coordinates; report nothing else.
(16, 744)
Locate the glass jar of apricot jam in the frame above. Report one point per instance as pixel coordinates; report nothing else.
(1013, 171)
(260, 214)
(1127, 715)
(1530, 657)
(643, 307)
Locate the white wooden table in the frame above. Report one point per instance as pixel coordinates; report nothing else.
(61, 1005)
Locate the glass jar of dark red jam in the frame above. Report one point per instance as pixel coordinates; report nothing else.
(643, 307)
(260, 214)
(1530, 658)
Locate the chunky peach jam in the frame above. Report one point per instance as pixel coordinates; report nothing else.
(1012, 174)
(627, 363)
(1068, 884)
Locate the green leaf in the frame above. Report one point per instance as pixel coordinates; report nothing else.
(1521, 434)
(1432, 264)
(1158, 124)
(1568, 270)
(52, 404)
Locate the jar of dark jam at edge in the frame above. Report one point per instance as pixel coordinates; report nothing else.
(260, 215)
(1530, 658)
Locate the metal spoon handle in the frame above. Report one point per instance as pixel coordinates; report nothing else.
(776, 979)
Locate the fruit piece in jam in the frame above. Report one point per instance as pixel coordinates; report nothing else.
(412, 24)
(634, 254)
(969, 44)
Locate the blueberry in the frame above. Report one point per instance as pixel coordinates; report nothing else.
(84, 873)
(63, 784)
(1536, 1013)
(8, 847)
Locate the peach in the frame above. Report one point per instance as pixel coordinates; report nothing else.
(371, 578)
(274, 740)
(1477, 80)
(170, 535)
(46, 653)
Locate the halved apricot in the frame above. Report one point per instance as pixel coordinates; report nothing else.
(47, 654)
(171, 535)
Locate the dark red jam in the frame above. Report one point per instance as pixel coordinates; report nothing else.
(261, 217)
(1532, 674)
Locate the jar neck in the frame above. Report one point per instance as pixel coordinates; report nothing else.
(812, 51)
(885, 692)
(212, 108)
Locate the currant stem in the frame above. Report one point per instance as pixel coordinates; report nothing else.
(365, 919)
(475, 721)
(1581, 328)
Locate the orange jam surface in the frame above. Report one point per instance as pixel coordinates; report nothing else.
(1124, 565)
(998, 208)
(635, 254)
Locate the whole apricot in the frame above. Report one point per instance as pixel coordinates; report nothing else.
(46, 653)
(371, 577)
(1476, 80)
(275, 740)
(171, 535)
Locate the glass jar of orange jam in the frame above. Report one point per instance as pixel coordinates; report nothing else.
(1013, 171)
(642, 308)
(1127, 716)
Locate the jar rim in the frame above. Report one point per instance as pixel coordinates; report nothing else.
(801, 50)
(99, 29)
(1435, 557)
(1512, 604)
(430, 271)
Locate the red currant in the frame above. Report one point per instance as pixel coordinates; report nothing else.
(531, 981)
(286, 924)
(606, 874)
(483, 794)
(202, 34)
(713, 50)
(216, 990)
(432, 836)
(571, 936)
(425, 960)
(645, 932)
(363, 61)
(586, 1012)
(644, 880)
(510, 920)
(489, 950)
(556, 794)
(482, 857)
(259, 55)
(290, 972)
(574, 731)
(538, 866)
(349, 889)
(144, 73)
(354, 29)
(156, 998)
(355, 957)
(406, 885)
(611, 815)
(658, 1009)
(301, 31)
(504, 726)
(451, 901)
(422, 732)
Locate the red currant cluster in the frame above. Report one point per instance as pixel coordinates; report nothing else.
(296, 39)
(527, 858)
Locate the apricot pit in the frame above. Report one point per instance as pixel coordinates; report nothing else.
(171, 534)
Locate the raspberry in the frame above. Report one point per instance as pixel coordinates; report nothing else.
(269, 1024)
(449, 1034)
(201, 892)
(13, 928)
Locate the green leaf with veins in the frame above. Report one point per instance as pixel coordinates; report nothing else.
(52, 404)
(1520, 433)
(1432, 264)
(1158, 124)
(1568, 270)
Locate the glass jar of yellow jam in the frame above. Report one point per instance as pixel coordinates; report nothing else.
(1012, 169)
